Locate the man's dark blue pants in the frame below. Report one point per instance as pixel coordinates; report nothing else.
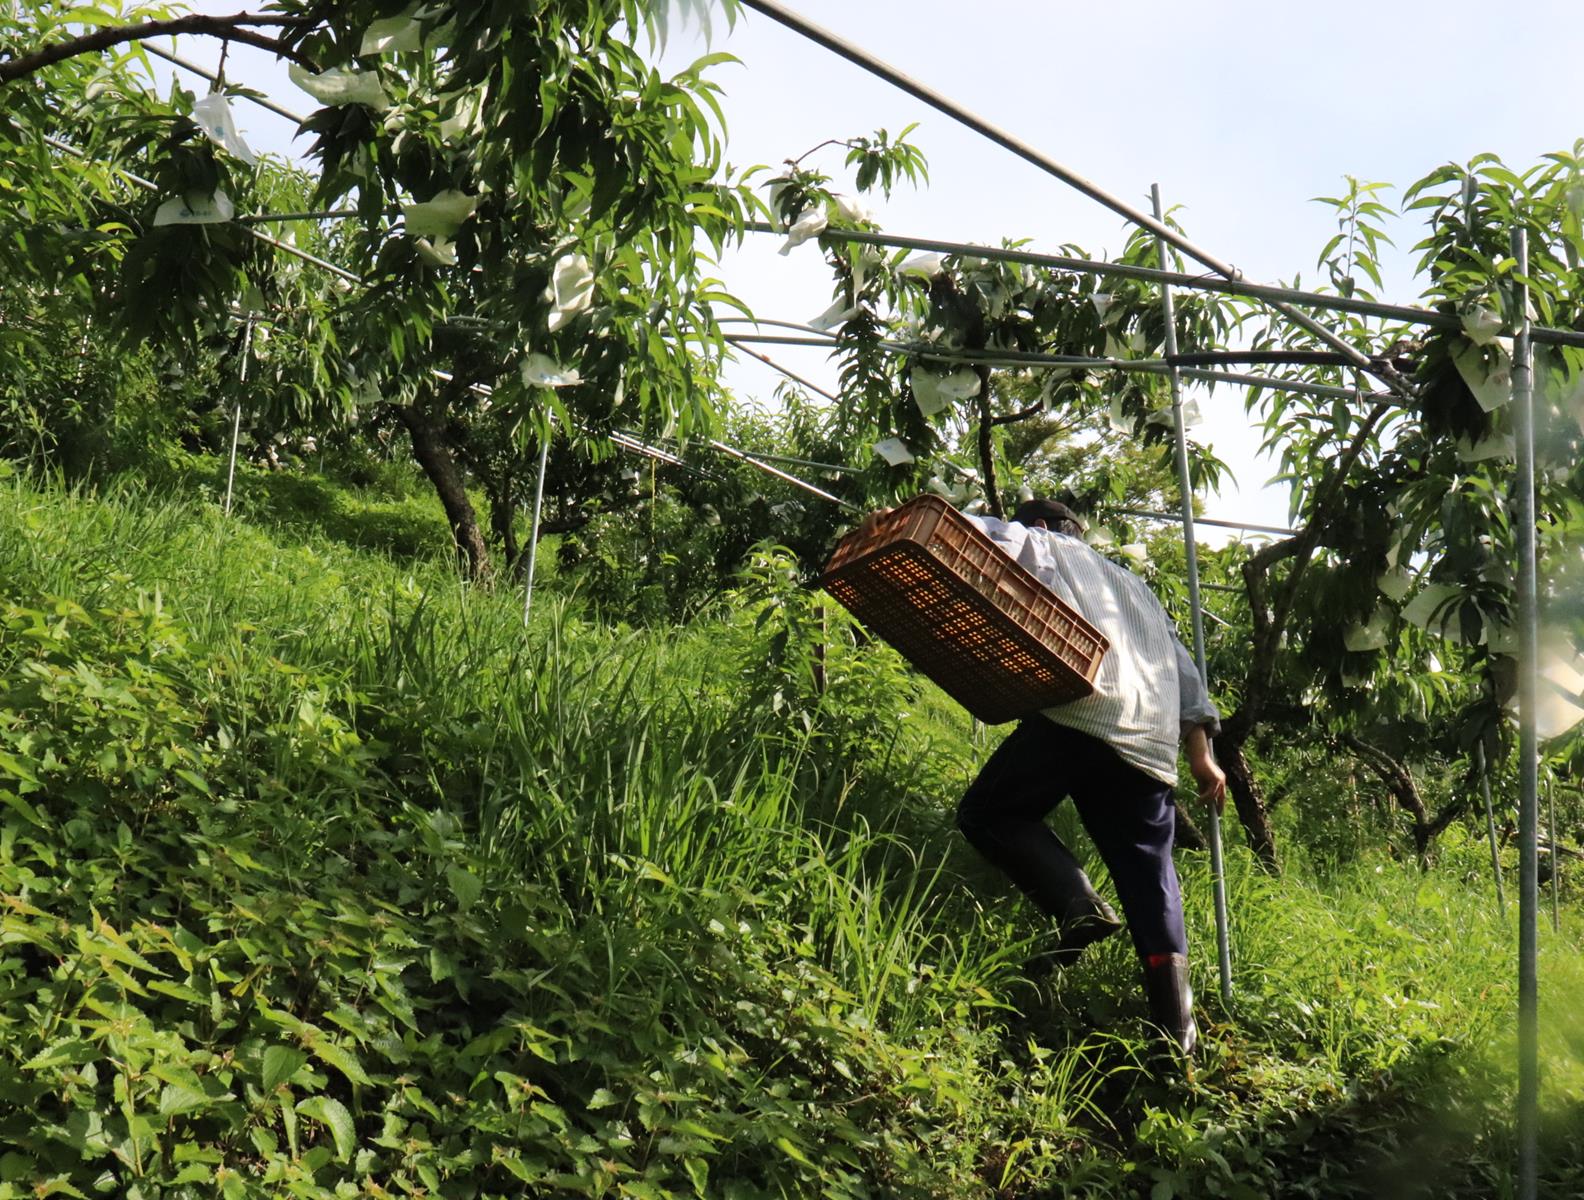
(1129, 815)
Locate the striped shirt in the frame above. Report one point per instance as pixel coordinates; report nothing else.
(1148, 693)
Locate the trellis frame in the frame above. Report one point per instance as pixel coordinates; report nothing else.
(1283, 301)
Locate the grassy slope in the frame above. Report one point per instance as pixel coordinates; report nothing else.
(323, 878)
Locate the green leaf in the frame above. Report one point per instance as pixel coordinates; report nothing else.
(58, 1187)
(14, 767)
(72, 1051)
(280, 1064)
(342, 1060)
(192, 777)
(331, 1112)
(522, 1170)
(465, 886)
(21, 806)
(175, 1099)
(698, 1172)
(786, 1146)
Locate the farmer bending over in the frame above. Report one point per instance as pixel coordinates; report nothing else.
(1115, 753)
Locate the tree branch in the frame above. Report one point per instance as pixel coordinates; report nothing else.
(1329, 491)
(1023, 414)
(1271, 613)
(230, 28)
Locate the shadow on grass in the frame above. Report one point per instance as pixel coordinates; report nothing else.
(409, 528)
(1437, 1127)
(1439, 1124)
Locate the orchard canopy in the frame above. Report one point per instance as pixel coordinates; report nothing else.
(528, 213)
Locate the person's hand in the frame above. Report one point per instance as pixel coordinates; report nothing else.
(1206, 772)
(1212, 782)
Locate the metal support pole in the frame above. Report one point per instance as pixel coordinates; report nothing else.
(1147, 515)
(151, 186)
(1556, 863)
(792, 375)
(1191, 550)
(733, 452)
(862, 58)
(1528, 742)
(1490, 825)
(236, 421)
(1429, 318)
(1023, 358)
(533, 533)
(214, 78)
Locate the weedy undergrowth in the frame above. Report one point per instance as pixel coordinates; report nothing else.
(322, 877)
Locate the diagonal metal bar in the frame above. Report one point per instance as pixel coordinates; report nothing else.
(1147, 515)
(862, 58)
(733, 452)
(214, 78)
(788, 372)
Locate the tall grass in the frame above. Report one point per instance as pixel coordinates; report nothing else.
(687, 841)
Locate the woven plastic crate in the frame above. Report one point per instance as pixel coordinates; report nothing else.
(997, 640)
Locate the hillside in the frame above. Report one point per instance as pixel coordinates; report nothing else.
(324, 877)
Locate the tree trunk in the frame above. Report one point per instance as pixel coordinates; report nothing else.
(1400, 783)
(440, 465)
(1188, 834)
(1249, 800)
(992, 487)
(503, 524)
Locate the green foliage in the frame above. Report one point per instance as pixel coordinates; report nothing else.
(950, 314)
(321, 875)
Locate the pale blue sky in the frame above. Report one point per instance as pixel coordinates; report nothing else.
(1241, 110)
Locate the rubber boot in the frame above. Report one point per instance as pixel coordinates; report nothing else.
(1171, 1000)
(1082, 919)
(1088, 919)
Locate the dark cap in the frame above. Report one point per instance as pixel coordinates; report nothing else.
(1054, 513)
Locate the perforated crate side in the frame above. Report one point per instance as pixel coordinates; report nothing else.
(971, 635)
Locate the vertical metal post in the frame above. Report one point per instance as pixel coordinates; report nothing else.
(533, 533)
(1191, 552)
(236, 420)
(1556, 862)
(1490, 824)
(1528, 743)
